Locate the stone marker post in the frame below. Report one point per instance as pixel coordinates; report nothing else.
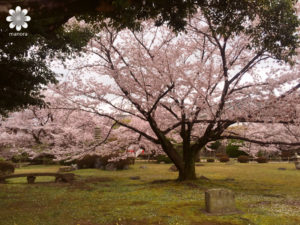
(30, 179)
(220, 201)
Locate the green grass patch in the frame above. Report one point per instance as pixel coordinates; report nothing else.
(265, 195)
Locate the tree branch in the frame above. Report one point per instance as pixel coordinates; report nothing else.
(160, 97)
(260, 142)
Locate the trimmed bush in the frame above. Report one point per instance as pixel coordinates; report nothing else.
(43, 159)
(124, 163)
(243, 159)
(24, 157)
(163, 158)
(262, 160)
(6, 168)
(100, 162)
(87, 161)
(210, 160)
(224, 158)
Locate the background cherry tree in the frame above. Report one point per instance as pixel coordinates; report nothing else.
(262, 134)
(68, 134)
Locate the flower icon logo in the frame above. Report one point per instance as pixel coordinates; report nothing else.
(18, 18)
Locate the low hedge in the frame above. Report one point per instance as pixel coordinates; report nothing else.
(262, 160)
(87, 161)
(163, 158)
(224, 158)
(24, 157)
(243, 159)
(99, 162)
(6, 168)
(43, 159)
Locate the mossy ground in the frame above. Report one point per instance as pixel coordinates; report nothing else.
(265, 195)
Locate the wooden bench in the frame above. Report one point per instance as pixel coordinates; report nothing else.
(59, 177)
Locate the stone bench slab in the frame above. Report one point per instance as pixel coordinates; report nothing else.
(59, 177)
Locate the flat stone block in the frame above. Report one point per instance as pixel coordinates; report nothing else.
(30, 179)
(220, 201)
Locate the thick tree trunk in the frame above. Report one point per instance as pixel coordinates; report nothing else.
(188, 172)
(189, 157)
(185, 164)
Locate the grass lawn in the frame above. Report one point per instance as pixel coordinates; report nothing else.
(265, 195)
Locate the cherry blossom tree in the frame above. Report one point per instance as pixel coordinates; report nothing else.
(189, 88)
(262, 134)
(68, 134)
(46, 129)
